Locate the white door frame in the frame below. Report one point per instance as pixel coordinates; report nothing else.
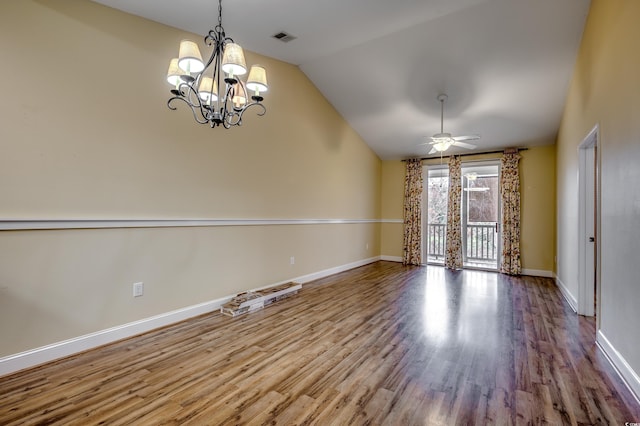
(425, 207)
(425, 214)
(588, 223)
(463, 219)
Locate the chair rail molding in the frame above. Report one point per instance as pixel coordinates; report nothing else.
(35, 224)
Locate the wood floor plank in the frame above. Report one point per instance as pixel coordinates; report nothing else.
(500, 410)
(295, 412)
(378, 406)
(380, 344)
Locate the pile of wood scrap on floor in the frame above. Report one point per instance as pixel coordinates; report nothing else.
(253, 300)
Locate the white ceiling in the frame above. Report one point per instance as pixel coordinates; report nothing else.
(505, 64)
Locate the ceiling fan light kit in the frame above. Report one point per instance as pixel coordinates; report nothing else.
(442, 141)
(198, 84)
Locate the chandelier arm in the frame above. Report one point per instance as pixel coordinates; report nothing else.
(217, 40)
(229, 120)
(261, 113)
(193, 109)
(239, 113)
(191, 94)
(195, 116)
(228, 111)
(184, 94)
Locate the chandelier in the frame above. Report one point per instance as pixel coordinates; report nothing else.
(214, 91)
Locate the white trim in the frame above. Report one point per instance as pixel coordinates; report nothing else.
(31, 358)
(392, 221)
(392, 258)
(570, 298)
(537, 273)
(29, 224)
(588, 212)
(622, 367)
(331, 271)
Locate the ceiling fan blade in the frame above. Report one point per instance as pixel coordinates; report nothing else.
(464, 145)
(433, 151)
(466, 138)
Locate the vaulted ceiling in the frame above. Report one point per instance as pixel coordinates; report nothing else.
(504, 64)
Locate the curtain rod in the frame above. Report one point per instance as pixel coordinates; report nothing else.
(473, 153)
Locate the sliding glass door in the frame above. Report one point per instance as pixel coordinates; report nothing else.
(480, 214)
(437, 179)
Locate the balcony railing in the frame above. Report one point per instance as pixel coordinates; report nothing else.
(481, 244)
(436, 239)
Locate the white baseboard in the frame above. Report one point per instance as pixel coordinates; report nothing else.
(537, 273)
(37, 356)
(570, 298)
(629, 377)
(392, 258)
(33, 357)
(331, 271)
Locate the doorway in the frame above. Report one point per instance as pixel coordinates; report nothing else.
(480, 213)
(437, 198)
(588, 213)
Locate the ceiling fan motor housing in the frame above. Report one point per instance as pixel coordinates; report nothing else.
(441, 136)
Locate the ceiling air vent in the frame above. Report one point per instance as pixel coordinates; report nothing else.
(284, 37)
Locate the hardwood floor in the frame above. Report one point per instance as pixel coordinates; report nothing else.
(381, 344)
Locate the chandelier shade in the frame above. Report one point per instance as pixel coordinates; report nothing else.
(214, 90)
(208, 89)
(190, 58)
(257, 80)
(174, 73)
(240, 95)
(233, 62)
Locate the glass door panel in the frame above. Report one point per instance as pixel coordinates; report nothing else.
(481, 215)
(436, 215)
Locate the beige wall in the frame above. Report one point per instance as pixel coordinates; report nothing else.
(605, 91)
(537, 178)
(86, 134)
(538, 203)
(392, 207)
(89, 134)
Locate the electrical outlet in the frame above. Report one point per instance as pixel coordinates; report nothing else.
(138, 289)
(292, 260)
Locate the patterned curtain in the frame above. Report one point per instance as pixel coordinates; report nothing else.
(412, 247)
(453, 254)
(510, 193)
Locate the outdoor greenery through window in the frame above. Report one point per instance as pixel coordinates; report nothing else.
(480, 217)
(480, 214)
(438, 187)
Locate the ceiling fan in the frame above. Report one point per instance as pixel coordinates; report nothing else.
(440, 142)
